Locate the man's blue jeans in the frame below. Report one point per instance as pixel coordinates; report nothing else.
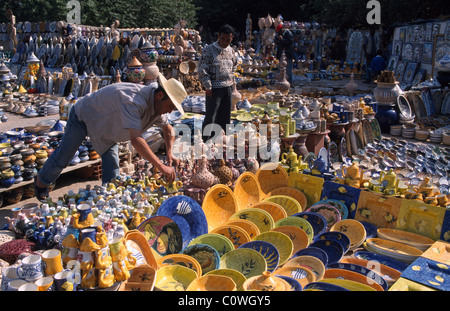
(74, 135)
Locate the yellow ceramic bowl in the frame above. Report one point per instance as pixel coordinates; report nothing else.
(271, 176)
(212, 282)
(244, 260)
(182, 260)
(281, 241)
(221, 243)
(247, 190)
(298, 195)
(416, 240)
(218, 205)
(235, 234)
(297, 222)
(275, 210)
(291, 205)
(352, 228)
(259, 217)
(313, 263)
(235, 275)
(301, 273)
(174, 278)
(299, 238)
(251, 229)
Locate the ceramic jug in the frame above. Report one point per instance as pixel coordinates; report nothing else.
(317, 166)
(352, 175)
(389, 180)
(203, 178)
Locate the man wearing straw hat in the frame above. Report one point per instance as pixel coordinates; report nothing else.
(116, 113)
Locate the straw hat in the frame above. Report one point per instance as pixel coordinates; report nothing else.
(175, 90)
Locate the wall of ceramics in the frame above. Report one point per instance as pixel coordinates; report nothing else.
(416, 47)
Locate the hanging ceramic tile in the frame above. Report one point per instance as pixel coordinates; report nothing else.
(378, 209)
(346, 194)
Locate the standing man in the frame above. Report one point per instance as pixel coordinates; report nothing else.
(285, 41)
(370, 46)
(218, 63)
(116, 113)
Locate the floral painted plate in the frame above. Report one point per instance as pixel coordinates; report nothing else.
(317, 221)
(298, 195)
(299, 238)
(353, 229)
(206, 255)
(244, 260)
(237, 235)
(267, 250)
(342, 208)
(249, 227)
(281, 241)
(297, 222)
(290, 205)
(275, 210)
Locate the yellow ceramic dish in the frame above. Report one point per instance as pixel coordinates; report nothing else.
(182, 260)
(349, 284)
(237, 235)
(247, 225)
(275, 210)
(312, 263)
(244, 260)
(353, 229)
(291, 205)
(416, 240)
(300, 273)
(174, 278)
(271, 176)
(344, 274)
(281, 241)
(247, 190)
(212, 283)
(297, 222)
(135, 241)
(235, 275)
(220, 242)
(262, 219)
(299, 238)
(439, 251)
(218, 205)
(291, 192)
(393, 247)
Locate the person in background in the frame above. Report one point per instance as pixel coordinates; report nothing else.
(217, 65)
(116, 113)
(285, 42)
(378, 64)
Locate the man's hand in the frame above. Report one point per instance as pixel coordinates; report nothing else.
(173, 161)
(168, 173)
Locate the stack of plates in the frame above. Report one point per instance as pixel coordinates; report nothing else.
(422, 134)
(396, 130)
(392, 249)
(354, 230)
(45, 110)
(436, 136)
(408, 131)
(416, 240)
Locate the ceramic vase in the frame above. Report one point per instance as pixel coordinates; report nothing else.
(203, 178)
(135, 72)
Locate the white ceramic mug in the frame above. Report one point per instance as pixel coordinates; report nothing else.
(31, 268)
(28, 287)
(8, 274)
(13, 286)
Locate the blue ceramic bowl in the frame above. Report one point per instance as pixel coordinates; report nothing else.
(384, 260)
(317, 221)
(267, 250)
(313, 251)
(295, 285)
(375, 277)
(339, 237)
(325, 287)
(334, 249)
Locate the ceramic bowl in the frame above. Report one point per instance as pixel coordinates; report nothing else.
(339, 237)
(275, 210)
(331, 213)
(317, 221)
(218, 205)
(297, 222)
(339, 205)
(298, 236)
(334, 249)
(249, 227)
(343, 274)
(295, 285)
(262, 219)
(182, 260)
(174, 278)
(310, 262)
(218, 241)
(281, 241)
(300, 273)
(290, 205)
(388, 273)
(268, 250)
(382, 259)
(247, 190)
(235, 275)
(271, 176)
(235, 234)
(212, 282)
(416, 240)
(328, 287)
(206, 255)
(244, 260)
(370, 274)
(298, 195)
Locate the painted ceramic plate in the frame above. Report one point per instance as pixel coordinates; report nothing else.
(235, 234)
(275, 210)
(249, 227)
(244, 260)
(188, 215)
(367, 130)
(138, 245)
(271, 176)
(174, 278)
(404, 107)
(336, 236)
(297, 222)
(259, 217)
(162, 234)
(290, 205)
(295, 285)
(416, 240)
(348, 284)
(369, 274)
(343, 149)
(334, 249)
(343, 274)
(353, 229)
(299, 238)
(394, 249)
(386, 272)
(384, 260)
(341, 207)
(207, 256)
(333, 152)
(218, 205)
(375, 128)
(328, 287)
(246, 190)
(371, 229)
(221, 243)
(281, 241)
(182, 260)
(315, 252)
(317, 221)
(312, 263)
(302, 274)
(235, 275)
(267, 250)
(331, 213)
(298, 195)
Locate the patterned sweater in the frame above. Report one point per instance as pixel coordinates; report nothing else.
(217, 66)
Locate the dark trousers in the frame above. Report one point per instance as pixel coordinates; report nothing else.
(218, 110)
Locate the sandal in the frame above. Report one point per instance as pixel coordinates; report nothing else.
(40, 193)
